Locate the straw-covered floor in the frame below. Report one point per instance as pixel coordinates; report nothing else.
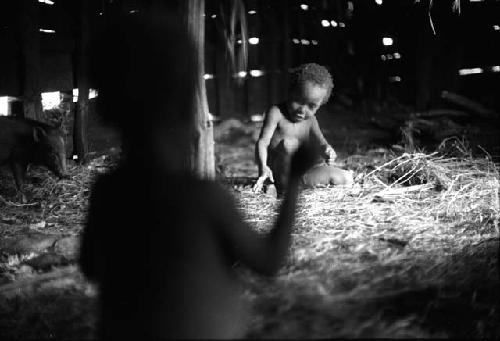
(410, 250)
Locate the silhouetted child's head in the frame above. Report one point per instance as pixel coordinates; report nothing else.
(310, 87)
(143, 66)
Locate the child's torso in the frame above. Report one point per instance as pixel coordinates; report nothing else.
(180, 272)
(289, 135)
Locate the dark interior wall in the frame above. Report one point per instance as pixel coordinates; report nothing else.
(55, 49)
(56, 71)
(469, 34)
(9, 78)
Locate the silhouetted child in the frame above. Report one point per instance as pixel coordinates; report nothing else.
(292, 123)
(160, 242)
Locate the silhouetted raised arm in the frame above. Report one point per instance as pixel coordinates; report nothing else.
(263, 253)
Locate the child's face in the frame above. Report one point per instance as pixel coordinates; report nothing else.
(305, 100)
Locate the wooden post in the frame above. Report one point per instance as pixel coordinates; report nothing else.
(286, 45)
(271, 62)
(202, 153)
(425, 55)
(299, 20)
(217, 75)
(80, 131)
(30, 59)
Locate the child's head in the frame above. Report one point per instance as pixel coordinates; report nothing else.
(143, 67)
(310, 87)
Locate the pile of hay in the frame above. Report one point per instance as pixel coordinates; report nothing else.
(56, 302)
(54, 205)
(411, 250)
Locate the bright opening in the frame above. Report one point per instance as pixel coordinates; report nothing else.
(397, 55)
(395, 79)
(304, 7)
(252, 12)
(256, 73)
(239, 41)
(253, 41)
(334, 23)
(47, 31)
(383, 57)
(314, 42)
(295, 41)
(133, 11)
(257, 118)
(305, 42)
(47, 2)
(495, 68)
(51, 100)
(496, 27)
(242, 74)
(208, 76)
(93, 93)
(4, 106)
(325, 23)
(387, 41)
(341, 24)
(378, 2)
(471, 71)
(213, 16)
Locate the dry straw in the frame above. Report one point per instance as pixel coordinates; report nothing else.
(408, 228)
(412, 240)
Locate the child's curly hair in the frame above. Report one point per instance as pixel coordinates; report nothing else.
(314, 73)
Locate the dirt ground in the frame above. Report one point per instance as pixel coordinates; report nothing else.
(371, 260)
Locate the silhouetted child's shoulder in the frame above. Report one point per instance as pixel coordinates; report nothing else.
(131, 190)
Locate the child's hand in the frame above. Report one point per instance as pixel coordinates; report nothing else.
(303, 159)
(329, 155)
(266, 173)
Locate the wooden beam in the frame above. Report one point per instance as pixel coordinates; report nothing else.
(28, 28)
(202, 153)
(80, 131)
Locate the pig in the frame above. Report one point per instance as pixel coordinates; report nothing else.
(24, 142)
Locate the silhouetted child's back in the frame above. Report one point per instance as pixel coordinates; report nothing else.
(165, 254)
(160, 242)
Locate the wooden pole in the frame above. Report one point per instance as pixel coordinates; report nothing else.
(286, 45)
(28, 26)
(80, 131)
(216, 78)
(202, 152)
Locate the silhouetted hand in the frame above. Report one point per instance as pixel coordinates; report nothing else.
(302, 160)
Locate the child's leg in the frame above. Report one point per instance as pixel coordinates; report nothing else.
(279, 162)
(327, 175)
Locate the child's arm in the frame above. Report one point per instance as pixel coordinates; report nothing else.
(327, 152)
(263, 253)
(271, 120)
